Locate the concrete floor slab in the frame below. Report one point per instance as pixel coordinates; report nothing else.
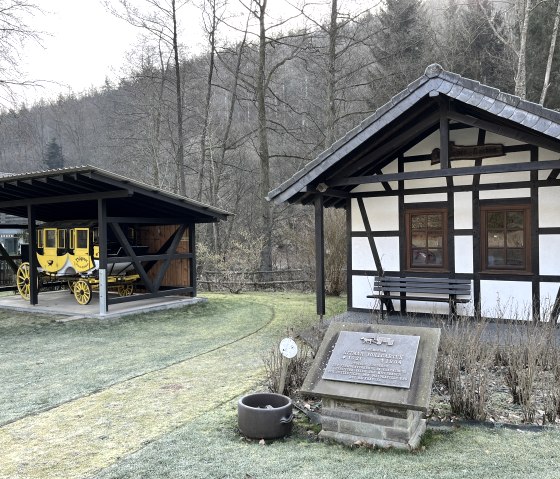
(64, 304)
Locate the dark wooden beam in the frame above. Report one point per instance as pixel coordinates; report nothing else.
(554, 174)
(192, 248)
(319, 255)
(444, 173)
(33, 262)
(47, 200)
(388, 145)
(507, 131)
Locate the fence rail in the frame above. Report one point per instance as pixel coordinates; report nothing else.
(236, 281)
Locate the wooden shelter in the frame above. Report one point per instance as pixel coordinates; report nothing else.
(449, 179)
(163, 221)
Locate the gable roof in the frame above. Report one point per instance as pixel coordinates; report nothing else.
(532, 119)
(72, 193)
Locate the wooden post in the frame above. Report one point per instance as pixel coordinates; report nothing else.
(102, 234)
(33, 263)
(192, 250)
(319, 255)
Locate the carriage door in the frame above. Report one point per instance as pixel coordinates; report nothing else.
(50, 260)
(81, 258)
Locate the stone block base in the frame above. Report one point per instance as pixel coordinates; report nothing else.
(350, 422)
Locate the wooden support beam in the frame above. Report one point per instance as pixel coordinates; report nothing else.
(48, 200)
(373, 247)
(508, 131)
(33, 262)
(463, 171)
(319, 255)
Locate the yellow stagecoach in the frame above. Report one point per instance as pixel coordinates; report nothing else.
(69, 252)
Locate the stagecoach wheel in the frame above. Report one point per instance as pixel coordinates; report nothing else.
(82, 292)
(71, 286)
(125, 289)
(23, 280)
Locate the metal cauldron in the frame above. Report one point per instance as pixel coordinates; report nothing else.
(265, 416)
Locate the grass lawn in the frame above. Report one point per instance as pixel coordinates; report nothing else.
(154, 396)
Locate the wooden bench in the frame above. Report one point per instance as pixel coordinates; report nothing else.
(441, 290)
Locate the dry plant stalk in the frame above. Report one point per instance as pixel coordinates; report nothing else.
(297, 368)
(462, 366)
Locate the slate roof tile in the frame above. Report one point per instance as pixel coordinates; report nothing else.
(445, 87)
(542, 124)
(530, 120)
(519, 115)
(553, 130)
(497, 107)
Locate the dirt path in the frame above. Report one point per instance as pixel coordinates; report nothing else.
(80, 437)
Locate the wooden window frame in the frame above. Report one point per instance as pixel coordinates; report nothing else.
(484, 209)
(419, 210)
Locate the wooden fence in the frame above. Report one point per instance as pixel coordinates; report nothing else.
(276, 280)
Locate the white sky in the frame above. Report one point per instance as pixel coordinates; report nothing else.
(83, 44)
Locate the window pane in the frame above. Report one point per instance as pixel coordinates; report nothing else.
(435, 222)
(62, 238)
(81, 238)
(516, 257)
(419, 239)
(495, 239)
(514, 220)
(495, 220)
(515, 239)
(418, 222)
(435, 240)
(496, 257)
(50, 238)
(437, 255)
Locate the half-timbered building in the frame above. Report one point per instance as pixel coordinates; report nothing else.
(449, 179)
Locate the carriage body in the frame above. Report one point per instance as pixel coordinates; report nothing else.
(69, 251)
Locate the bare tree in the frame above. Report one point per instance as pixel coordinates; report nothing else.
(15, 32)
(159, 18)
(551, 49)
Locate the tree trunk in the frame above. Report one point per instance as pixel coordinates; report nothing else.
(180, 156)
(521, 76)
(331, 77)
(546, 82)
(266, 208)
(212, 39)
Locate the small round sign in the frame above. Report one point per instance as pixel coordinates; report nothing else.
(288, 348)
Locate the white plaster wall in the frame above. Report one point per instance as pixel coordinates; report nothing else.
(464, 254)
(426, 146)
(504, 140)
(495, 194)
(392, 167)
(425, 198)
(463, 210)
(362, 258)
(466, 179)
(368, 187)
(546, 155)
(361, 287)
(423, 183)
(388, 248)
(509, 299)
(465, 136)
(510, 158)
(549, 207)
(383, 214)
(549, 254)
(548, 296)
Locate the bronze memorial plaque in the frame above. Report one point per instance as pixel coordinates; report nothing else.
(373, 358)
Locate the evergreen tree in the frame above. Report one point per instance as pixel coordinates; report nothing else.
(54, 158)
(402, 48)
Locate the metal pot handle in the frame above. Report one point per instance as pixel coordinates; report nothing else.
(286, 420)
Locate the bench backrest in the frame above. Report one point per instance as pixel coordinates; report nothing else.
(449, 286)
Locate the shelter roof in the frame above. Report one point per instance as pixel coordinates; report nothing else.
(385, 134)
(72, 193)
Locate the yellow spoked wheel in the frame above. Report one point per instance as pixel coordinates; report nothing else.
(82, 292)
(23, 280)
(125, 289)
(71, 286)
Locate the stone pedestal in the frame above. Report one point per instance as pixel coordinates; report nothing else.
(347, 422)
